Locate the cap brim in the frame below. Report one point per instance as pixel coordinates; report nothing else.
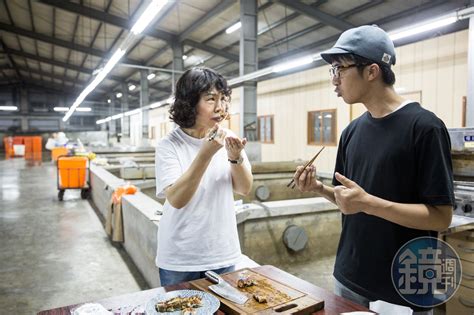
(326, 55)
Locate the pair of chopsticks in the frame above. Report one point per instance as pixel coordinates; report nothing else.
(307, 164)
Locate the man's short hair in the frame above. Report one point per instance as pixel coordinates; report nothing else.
(189, 88)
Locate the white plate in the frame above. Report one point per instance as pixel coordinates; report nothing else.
(210, 303)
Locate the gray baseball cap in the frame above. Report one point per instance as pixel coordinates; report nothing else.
(368, 41)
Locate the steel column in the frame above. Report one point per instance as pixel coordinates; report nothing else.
(249, 63)
(125, 121)
(178, 64)
(144, 101)
(470, 75)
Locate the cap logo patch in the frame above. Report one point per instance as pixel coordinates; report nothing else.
(386, 58)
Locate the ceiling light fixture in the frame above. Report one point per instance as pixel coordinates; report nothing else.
(101, 76)
(8, 108)
(133, 112)
(293, 64)
(148, 15)
(151, 76)
(422, 27)
(132, 87)
(143, 21)
(61, 109)
(117, 116)
(234, 27)
(118, 95)
(432, 24)
(83, 109)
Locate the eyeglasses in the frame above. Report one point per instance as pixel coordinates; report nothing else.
(335, 71)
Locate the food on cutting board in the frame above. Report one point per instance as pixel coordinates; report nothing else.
(245, 280)
(261, 289)
(185, 304)
(260, 298)
(245, 283)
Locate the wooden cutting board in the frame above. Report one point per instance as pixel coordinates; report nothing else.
(282, 299)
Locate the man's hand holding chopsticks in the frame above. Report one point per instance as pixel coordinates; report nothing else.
(305, 179)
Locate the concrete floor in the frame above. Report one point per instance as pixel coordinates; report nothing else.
(53, 253)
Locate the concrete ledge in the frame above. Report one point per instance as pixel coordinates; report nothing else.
(279, 208)
(141, 221)
(140, 225)
(103, 184)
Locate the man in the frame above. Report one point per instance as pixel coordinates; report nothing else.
(393, 173)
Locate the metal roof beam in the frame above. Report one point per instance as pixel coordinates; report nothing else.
(223, 5)
(210, 49)
(57, 63)
(9, 57)
(50, 40)
(53, 76)
(310, 47)
(316, 14)
(317, 26)
(107, 18)
(57, 42)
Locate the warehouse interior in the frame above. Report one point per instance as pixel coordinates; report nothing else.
(96, 78)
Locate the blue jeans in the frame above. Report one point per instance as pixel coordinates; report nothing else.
(345, 292)
(169, 277)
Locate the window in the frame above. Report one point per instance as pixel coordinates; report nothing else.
(322, 127)
(265, 129)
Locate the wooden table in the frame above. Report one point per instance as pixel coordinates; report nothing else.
(333, 304)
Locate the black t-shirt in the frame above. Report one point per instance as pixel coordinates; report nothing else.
(403, 157)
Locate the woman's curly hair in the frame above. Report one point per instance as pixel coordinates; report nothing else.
(189, 88)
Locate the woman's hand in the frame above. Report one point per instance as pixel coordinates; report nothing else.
(234, 146)
(214, 141)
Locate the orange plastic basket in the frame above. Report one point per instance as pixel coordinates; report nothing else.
(72, 172)
(55, 152)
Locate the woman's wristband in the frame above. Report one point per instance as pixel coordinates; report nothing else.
(238, 161)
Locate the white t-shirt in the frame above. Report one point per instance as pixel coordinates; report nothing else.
(203, 234)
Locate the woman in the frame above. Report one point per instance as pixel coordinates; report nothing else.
(198, 166)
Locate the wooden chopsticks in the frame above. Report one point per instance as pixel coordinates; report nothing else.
(307, 164)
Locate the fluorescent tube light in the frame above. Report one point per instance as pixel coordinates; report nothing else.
(132, 87)
(83, 109)
(151, 76)
(422, 27)
(156, 104)
(102, 121)
(61, 109)
(8, 108)
(117, 116)
(133, 112)
(148, 15)
(99, 78)
(234, 27)
(293, 64)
